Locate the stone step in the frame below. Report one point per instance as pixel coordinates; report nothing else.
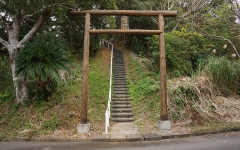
(122, 119)
(122, 115)
(119, 77)
(119, 74)
(120, 92)
(117, 83)
(118, 62)
(121, 106)
(121, 96)
(120, 80)
(121, 99)
(122, 110)
(118, 66)
(121, 102)
(119, 71)
(120, 89)
(116, 98)
(120, 86)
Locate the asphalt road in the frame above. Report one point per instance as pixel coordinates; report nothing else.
(228, 141)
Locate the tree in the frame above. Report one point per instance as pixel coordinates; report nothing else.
(235, 7)
(15, 15)
(212, 18)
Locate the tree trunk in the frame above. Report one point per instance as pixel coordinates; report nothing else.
(20, 85)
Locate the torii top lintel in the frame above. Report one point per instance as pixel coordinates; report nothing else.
(126, 12)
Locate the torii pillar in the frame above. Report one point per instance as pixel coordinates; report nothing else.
(164, 123)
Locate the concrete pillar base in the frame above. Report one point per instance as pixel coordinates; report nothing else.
(164, 125)
(83, 128)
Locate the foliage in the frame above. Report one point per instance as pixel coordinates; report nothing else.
(224, 74)
(182, 50)
(41, 61)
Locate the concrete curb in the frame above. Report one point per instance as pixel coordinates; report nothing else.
(122, 137)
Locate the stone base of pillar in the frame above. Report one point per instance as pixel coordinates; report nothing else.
(83, 128)
(164, 125)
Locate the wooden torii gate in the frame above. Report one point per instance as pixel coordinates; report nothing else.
(160, 32)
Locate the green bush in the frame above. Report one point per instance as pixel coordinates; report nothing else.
(40, 61)
(178, 54)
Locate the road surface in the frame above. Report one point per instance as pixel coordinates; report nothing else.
(228, 141)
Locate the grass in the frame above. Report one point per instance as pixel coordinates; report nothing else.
(225, 74)
(145, 95)
(62, 111)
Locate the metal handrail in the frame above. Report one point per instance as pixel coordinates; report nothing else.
(108, 113)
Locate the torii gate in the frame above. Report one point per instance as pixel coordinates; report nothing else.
(164, 123)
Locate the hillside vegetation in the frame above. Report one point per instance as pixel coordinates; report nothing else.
(195, 104)
(58, 117)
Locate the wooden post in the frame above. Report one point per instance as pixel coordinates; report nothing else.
(85, 71)
(163, 78)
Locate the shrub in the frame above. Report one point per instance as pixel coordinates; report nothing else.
(41, 61)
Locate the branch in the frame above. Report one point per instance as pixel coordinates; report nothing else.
(3, 23)
(3, 42)
(225, 39)
(2, 2)
(236, 12)
(53, 5)
(30, 35)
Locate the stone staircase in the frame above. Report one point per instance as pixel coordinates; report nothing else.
(121, 105)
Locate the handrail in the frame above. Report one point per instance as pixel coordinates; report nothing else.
(108, 113)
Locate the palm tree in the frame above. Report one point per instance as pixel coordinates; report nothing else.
(41, 60)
